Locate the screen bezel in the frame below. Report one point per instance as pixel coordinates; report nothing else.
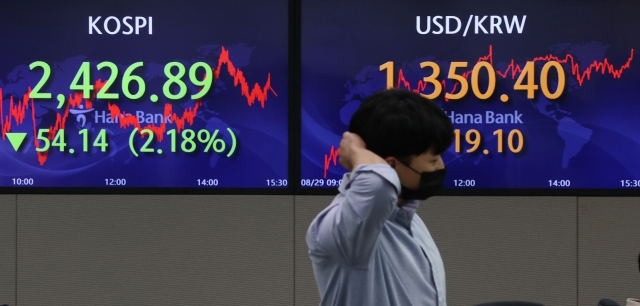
(294, 153)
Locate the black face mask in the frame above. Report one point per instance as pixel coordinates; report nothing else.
(430, 183)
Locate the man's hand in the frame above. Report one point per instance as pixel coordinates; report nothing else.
(353, 152)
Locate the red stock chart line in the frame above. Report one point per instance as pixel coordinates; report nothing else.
(512, 71)
(18, 109)
(332, 157)
(238, 79)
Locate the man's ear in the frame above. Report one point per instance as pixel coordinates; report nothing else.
(391, 161)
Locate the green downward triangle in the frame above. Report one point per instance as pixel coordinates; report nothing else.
(16, 139)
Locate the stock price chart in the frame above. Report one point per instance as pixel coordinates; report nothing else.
(145, 94)
(541, 94)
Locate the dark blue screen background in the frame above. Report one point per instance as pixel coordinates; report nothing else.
(589, 136)
(254, 33)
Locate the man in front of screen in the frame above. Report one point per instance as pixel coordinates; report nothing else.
(634, 302)
(369, 247)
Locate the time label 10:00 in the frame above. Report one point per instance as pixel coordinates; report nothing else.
(82, 81)
(515, 141)
(526, 80)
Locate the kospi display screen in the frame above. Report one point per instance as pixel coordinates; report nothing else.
(542, 94)
(158, 94)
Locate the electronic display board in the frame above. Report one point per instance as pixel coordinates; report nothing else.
(144, 94)
(542, 94)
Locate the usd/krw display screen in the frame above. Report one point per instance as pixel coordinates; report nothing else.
(542, 94)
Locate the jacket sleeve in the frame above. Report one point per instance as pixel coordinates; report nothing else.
(349, 228)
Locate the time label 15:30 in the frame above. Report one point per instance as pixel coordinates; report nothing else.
(277, 182)
(630, 183)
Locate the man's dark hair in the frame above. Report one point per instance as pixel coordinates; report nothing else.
(401, 123)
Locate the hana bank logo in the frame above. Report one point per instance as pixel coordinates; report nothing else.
(80, 118)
